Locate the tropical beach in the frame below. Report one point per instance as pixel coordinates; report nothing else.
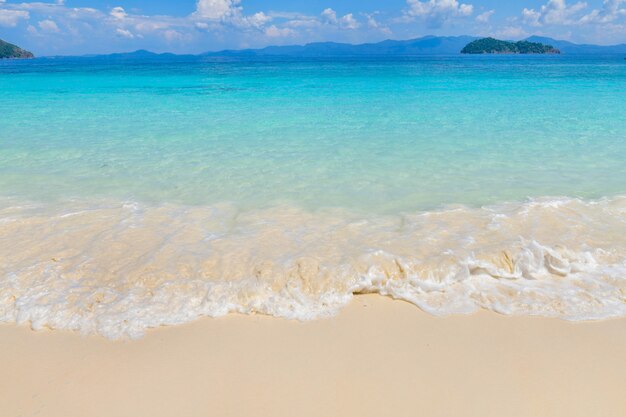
(336, 226)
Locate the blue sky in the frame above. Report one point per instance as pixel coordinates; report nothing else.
(188, 26)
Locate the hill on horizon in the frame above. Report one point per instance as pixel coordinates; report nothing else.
(574, 48)
(427, 45)
(10, 51)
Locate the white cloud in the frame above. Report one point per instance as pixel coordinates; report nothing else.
(210, 14)
(136, 26)
(173, 36)
(118, 13)
(275, 32)
(10, 18)
(48, 26)
(217, 9)
(202, 25)
(146, 25)
(373, 23)
(611, 11)
(484, 17)
(125, 33)
(554, 12)
(259, 19)
(303, 22)
(348, 21)
(56, 9)
(437, 12)
(531, 16)
(329, 15)
(603, 25)
(449, 7)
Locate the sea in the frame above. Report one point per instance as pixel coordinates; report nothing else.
(136, 193)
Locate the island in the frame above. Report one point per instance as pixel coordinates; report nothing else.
(10, 51)
(496, 46)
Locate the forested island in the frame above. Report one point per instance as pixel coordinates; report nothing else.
(8, 50)
(496, 46)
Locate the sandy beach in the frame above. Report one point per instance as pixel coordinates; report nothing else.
(378, 357)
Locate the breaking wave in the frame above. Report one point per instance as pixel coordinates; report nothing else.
(117, 269)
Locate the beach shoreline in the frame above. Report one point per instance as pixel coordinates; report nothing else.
(377, 357)
(119, 270)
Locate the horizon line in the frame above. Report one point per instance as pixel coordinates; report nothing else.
(86, 55)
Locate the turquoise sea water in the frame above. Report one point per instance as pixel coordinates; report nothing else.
(381, 135)
(146, 192)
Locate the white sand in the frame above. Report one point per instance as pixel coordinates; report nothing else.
(378, 358)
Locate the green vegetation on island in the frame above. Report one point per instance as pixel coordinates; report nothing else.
(8, 50)
(495, 46)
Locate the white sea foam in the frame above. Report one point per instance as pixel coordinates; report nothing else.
(117, 269)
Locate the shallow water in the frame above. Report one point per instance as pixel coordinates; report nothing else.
(152, 192)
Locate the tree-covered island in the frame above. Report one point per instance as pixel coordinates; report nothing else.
(8, 50)
(496, 46)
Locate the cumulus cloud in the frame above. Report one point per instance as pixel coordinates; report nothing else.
(131, 26)
(348, 21)
(329, 15)
(118, 13)
(210, 14)
(10, 18)
(611, 11)
(303, 22)
(124, 33)
(607, 20)
(275, 32)
(484, 17)
(172, 35)
(373, 23)
(259, 19)
(48, 26)
(217, 9)
(554, 12)
(437, 12)
(531, 16)
(55, 9)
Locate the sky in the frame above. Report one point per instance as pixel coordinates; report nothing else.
(69, 27)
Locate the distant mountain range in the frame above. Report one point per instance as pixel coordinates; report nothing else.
(141, 53)
(573, 48)
(428, 45)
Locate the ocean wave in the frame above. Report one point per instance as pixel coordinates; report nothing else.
(117, 269)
